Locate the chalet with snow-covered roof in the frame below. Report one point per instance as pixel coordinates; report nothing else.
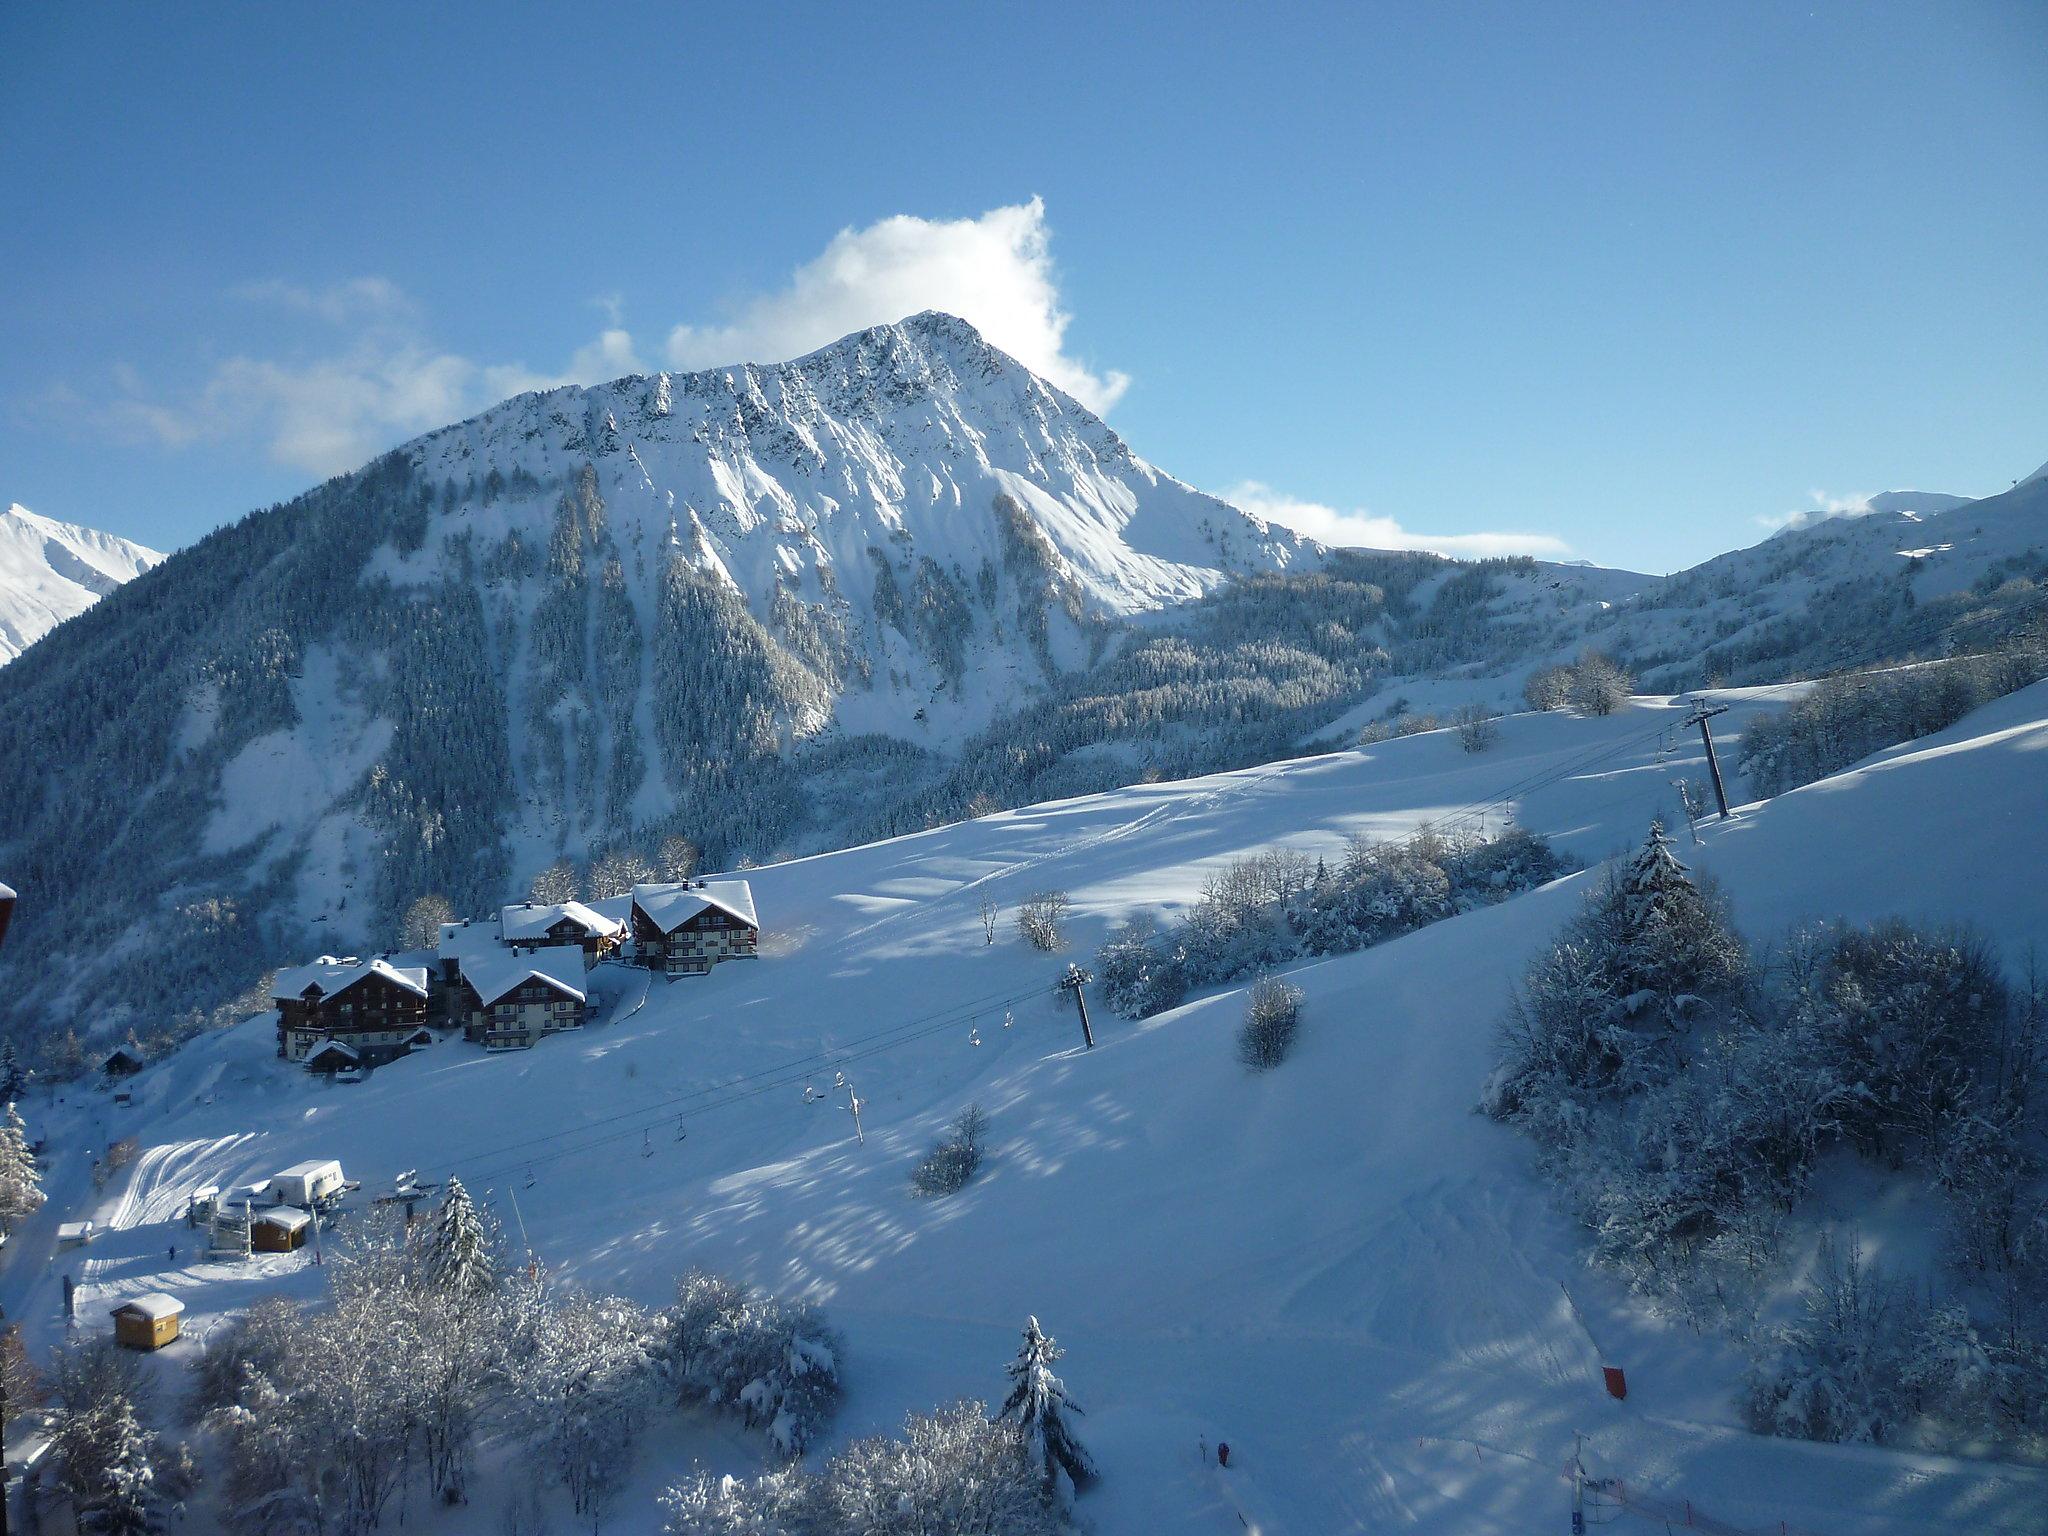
(374, 1008)
(508, 1002)
(122, 1061)
(561, 925)
(686, 927)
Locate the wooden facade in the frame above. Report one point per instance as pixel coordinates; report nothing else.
(147, 1322)
(685, 930)
(518, 1016)
(372, 1011)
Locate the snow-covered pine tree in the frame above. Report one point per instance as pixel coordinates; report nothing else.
(131, 1504)
(1038, 1401)
(13, 1080)
(459, 1254)
(21, 1185)
(1666, 939)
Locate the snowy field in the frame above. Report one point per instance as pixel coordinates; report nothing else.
(1337, 1267)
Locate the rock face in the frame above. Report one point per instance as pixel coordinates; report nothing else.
(52, 571)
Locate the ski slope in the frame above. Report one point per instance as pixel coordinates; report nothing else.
(1336, 1267)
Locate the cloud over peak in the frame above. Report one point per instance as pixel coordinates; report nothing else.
(994, 271)
(1359, 529)
(368, 374)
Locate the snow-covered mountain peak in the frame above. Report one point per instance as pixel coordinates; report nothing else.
(50, 571)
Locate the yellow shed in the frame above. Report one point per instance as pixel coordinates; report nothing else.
(147, 1322)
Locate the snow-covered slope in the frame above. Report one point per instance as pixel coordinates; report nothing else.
(50, 571)
(1337, 1267)
(1920, 571)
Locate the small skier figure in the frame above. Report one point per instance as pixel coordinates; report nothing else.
(1222, 1453)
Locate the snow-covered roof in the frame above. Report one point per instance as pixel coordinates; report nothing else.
(121, 1053)
(6, 891)
(669, 906)
(312, 1169)
(334, 1048)
(155, 1306)
(71, 1231)
(332, 975)
(494, 975)
(290, 1217)
(528, 920)
(467, 938)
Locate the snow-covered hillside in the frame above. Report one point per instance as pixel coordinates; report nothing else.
(50, 571)
(1336, 1266)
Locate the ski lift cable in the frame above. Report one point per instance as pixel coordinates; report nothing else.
(811, 1064)
(736, 1090)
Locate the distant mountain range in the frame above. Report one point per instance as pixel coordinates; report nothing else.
(50, 571)
(779, 609)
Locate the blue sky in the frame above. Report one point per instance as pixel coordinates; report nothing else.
(1619, 281)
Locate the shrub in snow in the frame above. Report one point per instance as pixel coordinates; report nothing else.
(775, 1362)
(1912, 1018)
(949, 1473)
(953, 1161)
(1845, 1369)
(1598, 686)
(1478, 728)
(952, 1471)
(1040, 918)
(1141, 971)
(1271, 1014)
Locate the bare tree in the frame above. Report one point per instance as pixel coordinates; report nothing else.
(1477, 729)
(421, 928)
(1598, 686)
(990, 911)
(1040, 917)
(556, 884)
(617, 873)
(677, 859)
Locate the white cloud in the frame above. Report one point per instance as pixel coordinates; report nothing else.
(1825, 506)
(995, 272)
(327, 411)
(1359, 529)
(372, 376)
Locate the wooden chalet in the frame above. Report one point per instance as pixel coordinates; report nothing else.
(374, 1008)
(561, 925)
(685, 928)
(122, 1061)
(508, 1002)
(147, 1322)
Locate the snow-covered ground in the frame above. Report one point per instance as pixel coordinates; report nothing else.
(51, 571)
(1336, 1267)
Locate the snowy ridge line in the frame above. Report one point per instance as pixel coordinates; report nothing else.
(498, 1164)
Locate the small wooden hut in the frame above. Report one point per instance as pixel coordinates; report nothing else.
(147, 1322)
(280, 1229)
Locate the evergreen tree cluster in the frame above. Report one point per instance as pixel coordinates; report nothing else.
(1682, 1093)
